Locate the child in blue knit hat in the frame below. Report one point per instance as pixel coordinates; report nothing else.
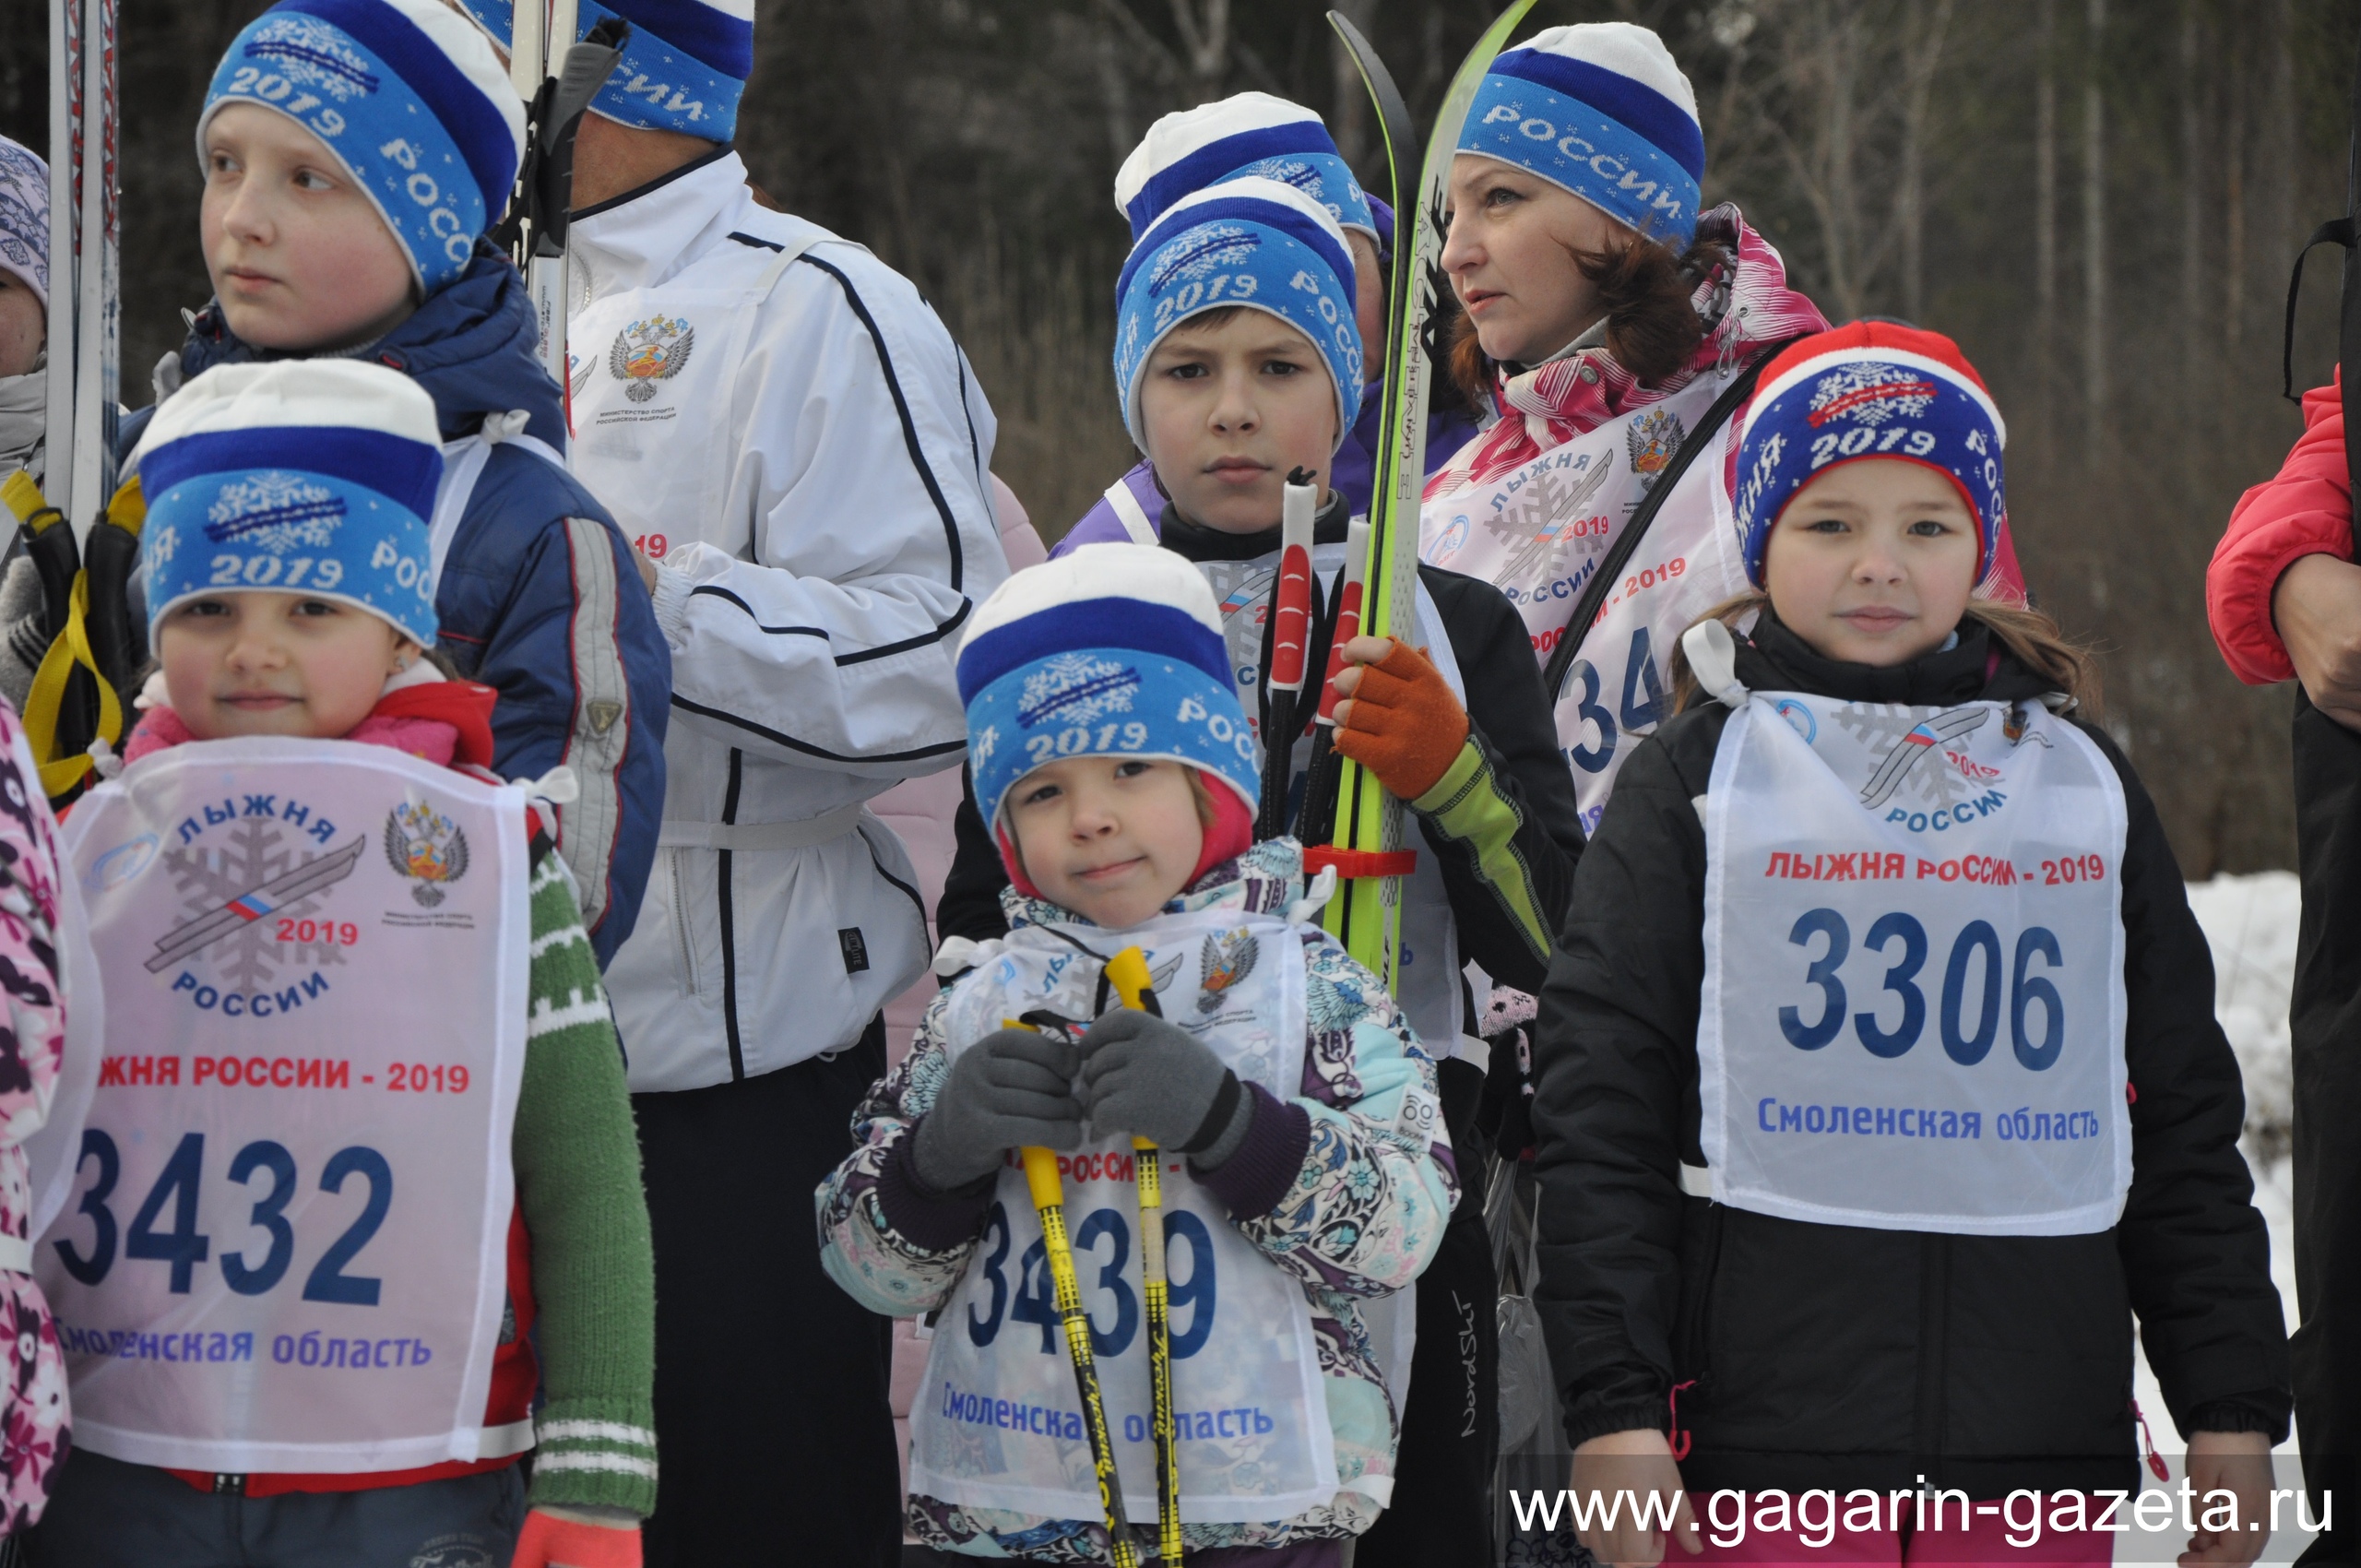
(1238, 363)
(361, 1182)
(1305, 1172)
(354, 152)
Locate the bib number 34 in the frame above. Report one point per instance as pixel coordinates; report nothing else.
(1969, 1013)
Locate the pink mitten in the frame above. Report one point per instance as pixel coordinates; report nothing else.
(551, 1542)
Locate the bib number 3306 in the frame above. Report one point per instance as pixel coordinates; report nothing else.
(184, 1247)
(1970, 1010)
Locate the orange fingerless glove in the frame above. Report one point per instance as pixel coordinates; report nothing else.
(1405, 725)
(549, 1540)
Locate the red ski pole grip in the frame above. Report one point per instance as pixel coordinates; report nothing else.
(1352, 864)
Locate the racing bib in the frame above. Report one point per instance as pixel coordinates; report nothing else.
(285, 1246)
(1539, 533)
(998, 1422)
(1913, 1011)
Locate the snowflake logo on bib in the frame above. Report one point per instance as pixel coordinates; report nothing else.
(1546, 518)
(649, 351)
(230, 890)
(1870, 395)
(1076, 688)
(427, 847)
(277, 512)
(309, 53)
(1910, 742)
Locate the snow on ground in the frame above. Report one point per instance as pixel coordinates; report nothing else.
(2250, 924)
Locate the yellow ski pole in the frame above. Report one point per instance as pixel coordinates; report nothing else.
(1127, 972)
(1050, 1201)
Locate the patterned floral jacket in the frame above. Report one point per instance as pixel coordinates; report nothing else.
(1360, 1217)
(33, 1413)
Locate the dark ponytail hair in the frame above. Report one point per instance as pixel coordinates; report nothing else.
(1653, 328)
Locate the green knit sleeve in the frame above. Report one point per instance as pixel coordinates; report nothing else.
(594, 1270)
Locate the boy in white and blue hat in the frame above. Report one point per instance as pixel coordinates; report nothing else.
(1237, 362)
(290, 605)
(354, 151)
(1256, 135)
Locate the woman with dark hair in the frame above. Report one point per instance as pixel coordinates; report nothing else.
(1602, 317)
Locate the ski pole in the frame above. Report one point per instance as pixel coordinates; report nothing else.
(1127, 972)
(1290, 611)
(1048, 1191)
(1317, 819)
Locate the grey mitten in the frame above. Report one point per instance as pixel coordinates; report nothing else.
(23, 643)
(1009, 1088)
(1157, 1081)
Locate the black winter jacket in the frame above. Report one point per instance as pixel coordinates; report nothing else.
(1820, 1355)
(1509, 719)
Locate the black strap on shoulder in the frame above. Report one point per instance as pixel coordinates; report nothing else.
(1618, 554)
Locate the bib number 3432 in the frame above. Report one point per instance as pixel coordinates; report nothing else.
(262, 1164)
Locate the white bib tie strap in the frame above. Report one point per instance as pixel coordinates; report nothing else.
(1131, 514)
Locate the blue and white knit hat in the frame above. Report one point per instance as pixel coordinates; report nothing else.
(1251, 134)
(408, 96)
(1248, 242)
(1113, 650)
(1600, 109)
(301, 476)
(24, 217)
(683, 68)
(1869, 390)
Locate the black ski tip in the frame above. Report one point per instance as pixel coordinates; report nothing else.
(1301, 475)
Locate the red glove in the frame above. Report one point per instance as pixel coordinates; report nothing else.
(1404, 724)
(550, 1541)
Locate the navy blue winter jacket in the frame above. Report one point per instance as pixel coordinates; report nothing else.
(539, 599)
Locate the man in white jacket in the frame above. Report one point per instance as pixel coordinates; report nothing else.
(799, 450)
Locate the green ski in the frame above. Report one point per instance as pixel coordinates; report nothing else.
(1366, 838)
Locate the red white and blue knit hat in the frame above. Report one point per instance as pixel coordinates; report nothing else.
(1869, 390)
(1114, 651)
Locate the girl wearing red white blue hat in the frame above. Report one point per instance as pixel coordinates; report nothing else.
(1878, 1085)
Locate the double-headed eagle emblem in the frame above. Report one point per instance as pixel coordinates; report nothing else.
(649, 351)
(427, 847)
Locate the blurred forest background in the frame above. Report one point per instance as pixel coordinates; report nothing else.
(2099, 198)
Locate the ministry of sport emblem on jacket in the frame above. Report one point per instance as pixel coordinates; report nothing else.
(427, 847)
(649, 351)
(1653, 437)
